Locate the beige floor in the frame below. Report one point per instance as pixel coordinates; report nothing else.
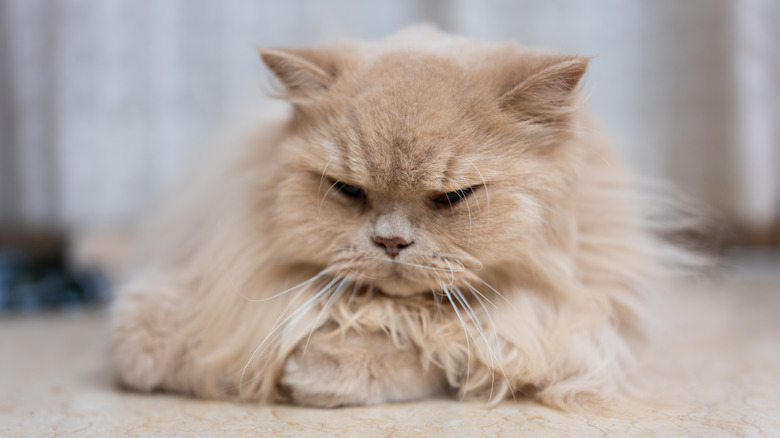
(718, 359)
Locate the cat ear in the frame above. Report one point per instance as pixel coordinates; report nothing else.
(546, 96)
(303, 72)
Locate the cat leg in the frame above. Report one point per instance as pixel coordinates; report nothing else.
(144, 341)
(359, 369)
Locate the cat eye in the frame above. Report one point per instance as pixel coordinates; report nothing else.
(349, 190)
(451, 198)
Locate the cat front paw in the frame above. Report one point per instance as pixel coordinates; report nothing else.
(361, 369)
(141, 343)
(139, 364)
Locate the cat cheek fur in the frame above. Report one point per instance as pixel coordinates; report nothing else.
(262, 282)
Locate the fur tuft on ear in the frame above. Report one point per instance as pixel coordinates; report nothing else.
(301, 71)
(546, 96)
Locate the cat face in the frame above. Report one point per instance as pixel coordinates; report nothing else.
(413, 172)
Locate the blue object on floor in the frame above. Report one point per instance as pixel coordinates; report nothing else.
(28, 284)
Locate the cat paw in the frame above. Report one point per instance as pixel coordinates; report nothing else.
(140, 343)
(139, 364)
(363, 369)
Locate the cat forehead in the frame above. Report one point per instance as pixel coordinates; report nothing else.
(407, 127)
(415, 80)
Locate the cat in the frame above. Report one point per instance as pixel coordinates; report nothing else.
(437, 216)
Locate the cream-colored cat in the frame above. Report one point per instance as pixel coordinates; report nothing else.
(436, 216)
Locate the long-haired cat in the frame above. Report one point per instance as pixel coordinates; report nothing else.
(436, 216)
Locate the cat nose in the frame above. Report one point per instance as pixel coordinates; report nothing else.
(392, 245)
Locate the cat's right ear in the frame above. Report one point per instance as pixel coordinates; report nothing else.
(302, 72)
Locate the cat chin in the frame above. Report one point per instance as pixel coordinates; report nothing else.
(401, 288)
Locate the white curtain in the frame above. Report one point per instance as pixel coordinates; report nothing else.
(102, 102)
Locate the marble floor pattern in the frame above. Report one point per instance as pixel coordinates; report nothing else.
(717, 361)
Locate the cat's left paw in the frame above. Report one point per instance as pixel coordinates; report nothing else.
(361, 369)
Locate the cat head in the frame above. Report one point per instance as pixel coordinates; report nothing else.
(425, 160)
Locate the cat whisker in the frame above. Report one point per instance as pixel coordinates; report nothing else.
(276, 330)
(494, 290)
(322, 201)
(360, 274)
(303, 308)
(452, 273)
(492, 352)
(322, 179)
(464, 260)
(468, 209)
(479, 294)
(478, 324)
(336, 293)
(487, 191)
(474, 264)
(430, 268)
(356, 285)
(495, 335)
(447, 293)
(299, 285)
(277, 324)
(437, 300)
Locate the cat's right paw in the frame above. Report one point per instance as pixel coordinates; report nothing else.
(140, 343)
(139, 364)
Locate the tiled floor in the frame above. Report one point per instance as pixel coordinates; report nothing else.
(717, 363)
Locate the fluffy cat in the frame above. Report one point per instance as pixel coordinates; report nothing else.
(436, 216)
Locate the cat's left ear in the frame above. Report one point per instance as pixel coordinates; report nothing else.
(548, 95)
(303, 72)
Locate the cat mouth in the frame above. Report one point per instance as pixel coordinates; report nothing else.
(404, 276)
(400, 282)
(405, 294)
(401, 288)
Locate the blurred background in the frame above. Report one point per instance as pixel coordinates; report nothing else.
(103, 102)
